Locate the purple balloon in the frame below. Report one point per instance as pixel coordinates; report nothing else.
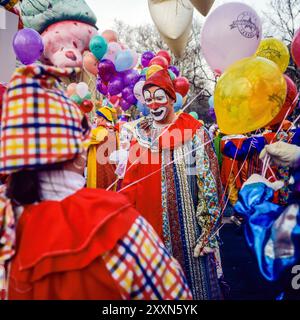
(128, 95)
(211, 113)
(102, 87)
(147, 56)
(142, 77)
(125, 105)
(175, 70)
(130, 77)
(28, 45)
(115, 85)
(106, 70)
(230, 33)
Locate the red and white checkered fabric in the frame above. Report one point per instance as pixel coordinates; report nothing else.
(40, 124)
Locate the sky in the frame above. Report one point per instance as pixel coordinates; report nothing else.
(135, 12)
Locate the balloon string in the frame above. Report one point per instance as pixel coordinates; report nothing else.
(163, 167)
(157, 138)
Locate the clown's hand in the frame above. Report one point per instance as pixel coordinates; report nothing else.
(282, 154)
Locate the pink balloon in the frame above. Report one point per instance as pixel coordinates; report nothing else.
(230, 33)
(90, 63)
(71, 89)
(112, 51)
(135, 58)
(110, 36)
(295, 48)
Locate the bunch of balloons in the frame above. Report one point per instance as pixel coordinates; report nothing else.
(80, 94)
(28, 45)
(252, 91)
(152, 63)
(113, 64)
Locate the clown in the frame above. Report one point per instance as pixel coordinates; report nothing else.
(104, 141)
(172, 178)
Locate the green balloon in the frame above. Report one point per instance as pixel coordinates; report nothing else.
(88, 96)
(76, 99)
(98, 47)
(144, 71)
(194, 115)
(172, 75)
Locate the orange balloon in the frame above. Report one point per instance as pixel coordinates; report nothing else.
(71, 90)
(110, 36)
(90, 63)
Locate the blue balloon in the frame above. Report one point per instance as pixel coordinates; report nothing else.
(211, 102)
(124, 60)
(143, 109)
(179, 102)
(98, 47)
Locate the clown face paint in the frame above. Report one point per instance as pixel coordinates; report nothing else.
(158, 103)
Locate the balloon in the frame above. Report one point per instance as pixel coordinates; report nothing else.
(82, 89)
(135, 58)
(86, 106)
(211, 102)
(144, 71)
(174, 70)
(276, 51)
(130, 77)
(125, 105)
(230, 33)
(138, 91)
(128, 96)
(194, 115)
(290, 101)
(295, 48)
(28, 45)
(115, 85)
(106, 70)
(143, 109)
(90, 63)
(147, 56)
(172, 75)
(71, 89)
(76, 99)
(182, 85)
(110, 36)
(124, 60)
(153, 69)
(212, 114)
(179, 102)
(114, 100)
(249, 95)
(112, 51)
(101, 87)
(98, 46)
(159, 61)
(165, 54)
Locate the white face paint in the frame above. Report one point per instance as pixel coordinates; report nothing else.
(159, 114)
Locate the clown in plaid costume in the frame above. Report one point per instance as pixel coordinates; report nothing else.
(69, 242)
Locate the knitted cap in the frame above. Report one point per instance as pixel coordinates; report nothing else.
(39, 15)
(40, 124)
(106, 113)
(162, 80)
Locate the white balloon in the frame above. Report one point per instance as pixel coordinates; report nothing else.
(82, 89)
(138, 91)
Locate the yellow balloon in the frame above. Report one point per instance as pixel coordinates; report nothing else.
(153, 69)
(249, 95)
(276, 51)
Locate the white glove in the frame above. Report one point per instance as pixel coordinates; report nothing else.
(255, 178)
(282, 154)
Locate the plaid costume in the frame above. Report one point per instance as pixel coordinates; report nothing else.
(143, 268)
(40, 124)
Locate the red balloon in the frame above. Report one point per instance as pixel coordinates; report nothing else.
(86, 106)
(290, 101)
(295, 48)
(114, 100)
(159, 61)
(181, 85)
(165, 54)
